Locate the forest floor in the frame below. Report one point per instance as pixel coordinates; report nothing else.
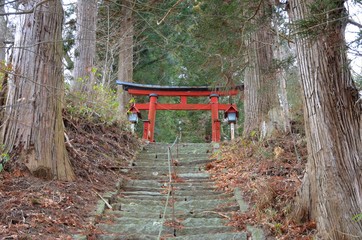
(33, 208)
(268, 173)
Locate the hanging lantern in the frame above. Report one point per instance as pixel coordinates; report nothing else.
(133, 117)
(133, 114)
(231, 114)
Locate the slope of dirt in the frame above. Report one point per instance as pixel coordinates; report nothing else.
(269, 174)
(32, 208)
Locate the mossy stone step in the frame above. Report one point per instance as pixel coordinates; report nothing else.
(164, 176)
(188, 209)
(192, 204)
(160, 160)
(165, 187)
(153, 228)
(111, 214)
(201, 210)
(214, 236)
(163, 192)
(165, 170)
(180, 198)
(189, 222)
(116, 236)
(156, 183)
(164, 157)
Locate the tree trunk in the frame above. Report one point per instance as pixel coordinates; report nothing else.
(3, 30)
(85, 46)
(125, 62)
(331, 193)
(261, 104)
(279, 53)
(34, 126)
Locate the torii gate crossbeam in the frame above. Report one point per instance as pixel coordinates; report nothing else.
(154, 91)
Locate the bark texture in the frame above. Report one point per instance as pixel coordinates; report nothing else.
(125, 62)
(331, 193)
(85, 46)
(3, 30)
(261, 104)
(279, 51)
(33, 126)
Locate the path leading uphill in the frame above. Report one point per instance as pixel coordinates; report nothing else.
(195, 209)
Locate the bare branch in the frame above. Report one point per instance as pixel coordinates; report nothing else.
(354, 23)
(25, 12)
(168, 12)
(256, 12)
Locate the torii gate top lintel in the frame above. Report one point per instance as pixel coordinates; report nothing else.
(195, 91)
(153, 91)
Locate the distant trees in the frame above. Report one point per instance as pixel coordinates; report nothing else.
(33, 125)
(125, 60)
(85, 46)
(2, 30)
(261, 103)
(332, 185)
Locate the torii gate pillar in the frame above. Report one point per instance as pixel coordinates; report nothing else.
(215, 122)
(152, 117)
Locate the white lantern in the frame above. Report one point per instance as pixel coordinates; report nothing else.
(133, 117)
(231, 116)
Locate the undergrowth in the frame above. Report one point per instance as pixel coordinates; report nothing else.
(269, 174)
(99, 106)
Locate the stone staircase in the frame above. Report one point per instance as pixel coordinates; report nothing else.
(199, 211)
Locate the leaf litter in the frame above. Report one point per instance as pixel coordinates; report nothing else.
(269, 174)
(33, 208)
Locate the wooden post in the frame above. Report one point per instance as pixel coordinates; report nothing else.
(232, 130)
(215, 123)
(152, 117)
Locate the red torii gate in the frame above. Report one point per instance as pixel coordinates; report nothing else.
(154, 91)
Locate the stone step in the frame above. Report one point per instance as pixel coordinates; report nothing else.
(164, 170)
(178, 198)
(164, 157)
(191, 204)
(180, 162)
(153, 228)
(179, 145)
(175, 188)
(158, 215)
(155, 183)
(188, 222)
(116, 236)
(163, 192)
(202, 212)
(215, 236)
(164, 177)
(180, 209)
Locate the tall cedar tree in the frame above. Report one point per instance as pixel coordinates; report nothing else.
(125, 60)
(85, 46)
(2, 30)
(261, 84)
(331, 192)
(33, 125)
